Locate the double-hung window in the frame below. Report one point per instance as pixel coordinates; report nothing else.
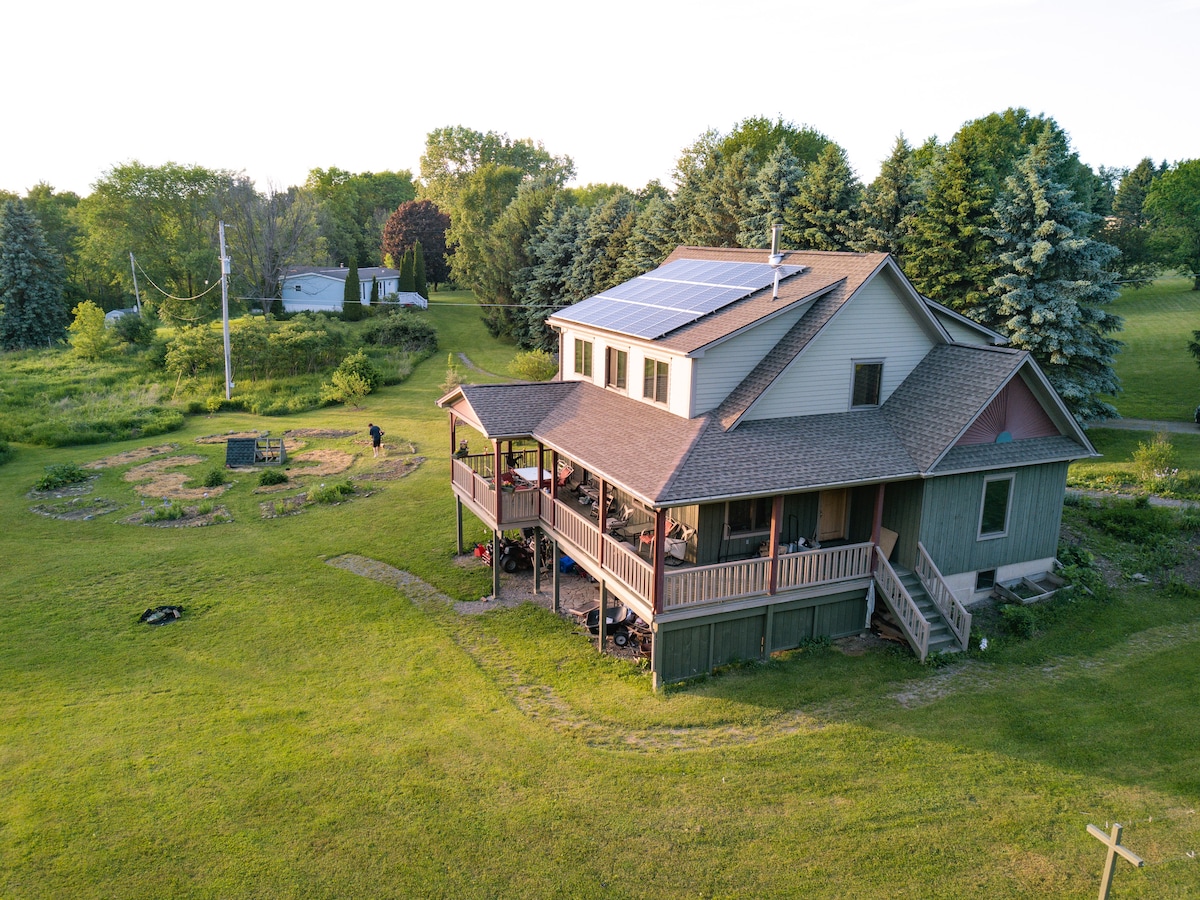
(994, 507)
(868, 379)
(583, 358)
(654, 380)
(618, 365)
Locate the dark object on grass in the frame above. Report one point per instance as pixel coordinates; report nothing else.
(161, 615)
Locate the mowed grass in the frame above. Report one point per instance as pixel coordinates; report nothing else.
(307, 732)
(1159, 377)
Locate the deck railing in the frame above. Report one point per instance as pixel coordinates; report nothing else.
(576, 529)
(902, 605)
(623, 562)
(948, 605)
(473, 486)
(809, 567)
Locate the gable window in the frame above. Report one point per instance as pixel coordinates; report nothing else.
(994, 507)
(618, 364)
(654, 381)
(868, 377)
(583, 357)
(747, 516)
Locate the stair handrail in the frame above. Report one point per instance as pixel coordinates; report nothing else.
(902, 605)
(952, 610)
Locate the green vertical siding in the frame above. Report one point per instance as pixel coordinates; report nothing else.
(693, 647)
(862, 513)
(950, 526)
(902, 514)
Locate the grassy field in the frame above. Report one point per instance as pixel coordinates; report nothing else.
(306, 732)
(1159, 378)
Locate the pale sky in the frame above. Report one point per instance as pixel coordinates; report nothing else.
(276, 89)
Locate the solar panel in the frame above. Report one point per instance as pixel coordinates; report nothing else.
(671, 296)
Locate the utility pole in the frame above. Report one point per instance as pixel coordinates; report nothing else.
(225, 311)
(137, 300)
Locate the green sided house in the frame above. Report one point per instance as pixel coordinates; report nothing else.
(752, 448)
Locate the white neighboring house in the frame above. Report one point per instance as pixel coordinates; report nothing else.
(321, 289)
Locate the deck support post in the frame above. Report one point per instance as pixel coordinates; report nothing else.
(458, 531)
(537, 558)
(495, 565)
(601, 519)
(776, 524)
(602, 631)
(877, 522)
(497, 489)
(556, 579)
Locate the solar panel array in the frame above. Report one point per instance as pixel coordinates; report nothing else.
(672, 296)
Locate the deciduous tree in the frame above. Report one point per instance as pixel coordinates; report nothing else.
(419, 222)
(1173, 207)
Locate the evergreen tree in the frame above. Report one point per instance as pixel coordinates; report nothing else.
(950, 258)
(823, 213)
(352, 294)
(1053, 282)
(408, 279)
(655, 234)
(374, 300)
(542, 285)
(420, 285)
(772, 190)
(1128, 229)
(889, 203)
(31, 283)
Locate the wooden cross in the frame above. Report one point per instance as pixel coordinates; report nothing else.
(1113, 842)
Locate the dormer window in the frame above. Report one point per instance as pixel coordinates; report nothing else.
(654, 380)
(868, 379)
(618, 365)
(583, 358)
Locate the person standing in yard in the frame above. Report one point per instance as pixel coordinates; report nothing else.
(376, 437)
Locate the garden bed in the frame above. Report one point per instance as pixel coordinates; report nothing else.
(1029, 590)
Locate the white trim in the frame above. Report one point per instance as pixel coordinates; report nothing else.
(1011, 478)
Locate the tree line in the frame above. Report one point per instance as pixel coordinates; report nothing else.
(1002, 223)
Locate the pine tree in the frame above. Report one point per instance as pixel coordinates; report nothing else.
(31, 283)
(408, 282)
(1053, 282)
(889, 203)
(352, 295)
(773, 189)
(823, 213)
(950, 258)
(420, 285)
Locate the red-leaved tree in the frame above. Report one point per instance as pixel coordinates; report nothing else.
(418, 221)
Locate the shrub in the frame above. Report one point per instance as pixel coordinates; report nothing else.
(6, 452)
(354, 379)
(1019, 621)
(536, 365)
(166, 513)
(215, 478)
(61, 475)
(453, 377)
(403, 329)
(89, 336)
(1154, 463)
(333, 493)
(272, 476)
(139, 330)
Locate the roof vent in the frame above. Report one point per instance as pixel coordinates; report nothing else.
(775, 259)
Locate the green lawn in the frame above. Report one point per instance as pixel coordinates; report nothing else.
(1159, 378)
(307, 732)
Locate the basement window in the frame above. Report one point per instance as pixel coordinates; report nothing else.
(985, 580)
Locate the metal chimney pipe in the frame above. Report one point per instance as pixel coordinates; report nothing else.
(776, 258)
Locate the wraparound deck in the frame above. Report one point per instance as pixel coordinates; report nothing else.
(631, 575)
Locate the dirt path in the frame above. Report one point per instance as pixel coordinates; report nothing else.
(466, 361)
(1152, 425)
(539, 701)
